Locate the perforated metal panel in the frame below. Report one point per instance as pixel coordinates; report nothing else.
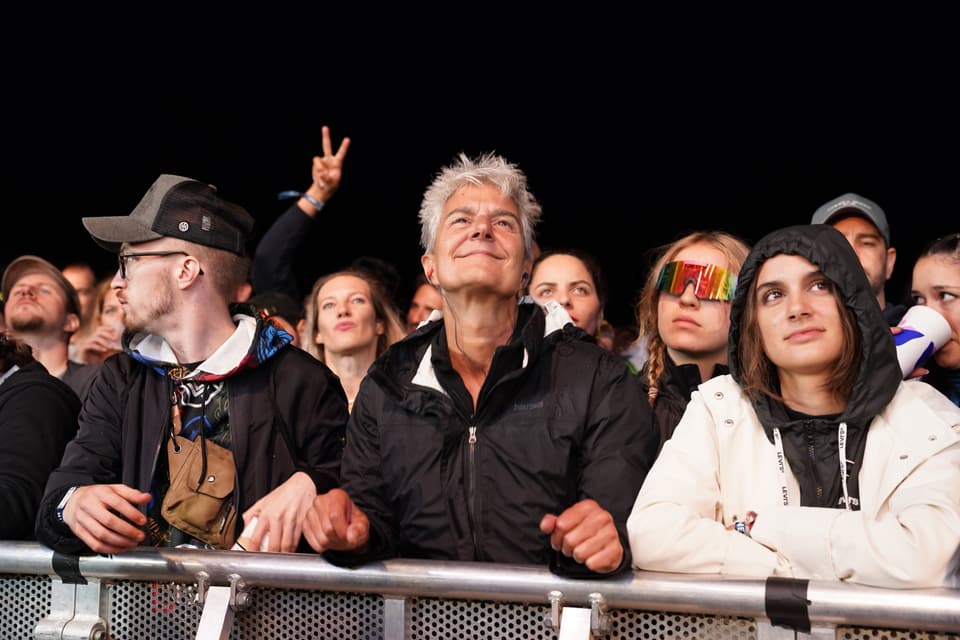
(485, 620)
(646, 625)
(859, 633)
(24, 601)
(462, 620)
(169, 611)
(162, 611)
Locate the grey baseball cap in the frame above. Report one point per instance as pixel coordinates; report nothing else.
(851, 204)
(177, 207)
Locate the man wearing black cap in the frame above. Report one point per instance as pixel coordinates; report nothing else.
(865, 226)
(208, 413)
(43, 310)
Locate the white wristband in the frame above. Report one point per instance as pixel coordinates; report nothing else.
(63, 502)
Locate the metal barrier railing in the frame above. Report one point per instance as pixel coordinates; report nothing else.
(233, 590)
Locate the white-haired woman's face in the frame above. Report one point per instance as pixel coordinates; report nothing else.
(479, 243)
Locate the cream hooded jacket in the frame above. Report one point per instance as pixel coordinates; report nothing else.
(722, 462)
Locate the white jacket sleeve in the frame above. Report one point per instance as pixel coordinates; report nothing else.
(676, 521)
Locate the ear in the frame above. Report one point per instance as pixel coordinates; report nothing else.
(527, 268)
(429, 267)
(188, 272)
(71, 323)
(380, 329)
(891, 260)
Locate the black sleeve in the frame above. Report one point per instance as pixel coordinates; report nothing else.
(36, 422)
(362, 479)
(618, 449)
(274, 256)
(92, 457)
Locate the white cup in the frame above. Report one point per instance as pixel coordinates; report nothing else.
(924, 331)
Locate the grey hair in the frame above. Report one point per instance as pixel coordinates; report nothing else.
(488, 168)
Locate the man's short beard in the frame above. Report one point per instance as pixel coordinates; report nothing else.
(25, 325)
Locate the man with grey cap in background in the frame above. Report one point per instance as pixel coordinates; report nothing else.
(208, 413)
(865, 227)
(42, 309)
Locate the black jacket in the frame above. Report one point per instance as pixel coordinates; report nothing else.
(440, 482)
(38, 416)
(287, 414)
(673, 393)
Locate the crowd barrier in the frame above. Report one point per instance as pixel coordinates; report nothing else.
(154, 594)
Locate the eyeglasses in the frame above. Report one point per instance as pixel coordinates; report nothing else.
(709, 281)
(123, 257)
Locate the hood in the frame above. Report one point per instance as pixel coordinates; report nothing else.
(254, 341)
(824, 246)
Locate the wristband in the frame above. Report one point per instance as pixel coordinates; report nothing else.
(63, 502)
(309, 198)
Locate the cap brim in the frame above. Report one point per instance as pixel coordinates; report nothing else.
(110, 232)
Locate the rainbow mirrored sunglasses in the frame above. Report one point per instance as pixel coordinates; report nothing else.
(709, 281)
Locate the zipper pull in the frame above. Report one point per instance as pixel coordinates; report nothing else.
(473, 435)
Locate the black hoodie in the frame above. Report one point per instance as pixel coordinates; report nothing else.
(811, 442)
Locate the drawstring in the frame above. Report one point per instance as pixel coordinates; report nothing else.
(203, 440)
(781, 467)
(842, 454)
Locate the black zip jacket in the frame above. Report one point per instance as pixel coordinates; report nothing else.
(439, 481)
(287, 414)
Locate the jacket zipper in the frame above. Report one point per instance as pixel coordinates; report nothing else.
(472, 490)
(812, 455)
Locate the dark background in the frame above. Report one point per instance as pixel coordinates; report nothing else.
(627, 145)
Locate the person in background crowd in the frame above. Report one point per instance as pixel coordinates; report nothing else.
(812, 459)
(102, 338)
(495, 433)
(684, 315)
(864, 224)
(351, 324)
(283, 310)
(200, 396)
(43, 310)
(936, 283)
(84, 280)
(38, 416)
(425, 299)
(273, 258)
(574, 280)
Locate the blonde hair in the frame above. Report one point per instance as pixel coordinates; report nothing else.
(733, 248)
(384, 311)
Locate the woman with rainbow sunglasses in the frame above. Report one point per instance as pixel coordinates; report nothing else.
(684, 312)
